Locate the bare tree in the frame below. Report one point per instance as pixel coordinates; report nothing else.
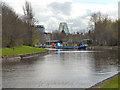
(14, 30)
(56, 35)
(104, 31)
(29, 20)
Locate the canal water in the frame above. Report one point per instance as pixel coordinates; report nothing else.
(60, 69)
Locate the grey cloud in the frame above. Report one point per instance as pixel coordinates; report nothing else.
(88, 13)
(59, 18)
(77, 22)
(64, 8)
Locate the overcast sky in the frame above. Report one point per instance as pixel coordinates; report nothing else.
(75, 12)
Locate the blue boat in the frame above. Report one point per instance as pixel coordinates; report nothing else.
(82, 47)
(59, 46)
(65, 47)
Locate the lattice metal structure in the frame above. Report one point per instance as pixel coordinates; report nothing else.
(63, 27)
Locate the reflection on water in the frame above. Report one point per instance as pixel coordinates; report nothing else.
(60, 69)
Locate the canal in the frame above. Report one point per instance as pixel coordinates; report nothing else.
(60, 69)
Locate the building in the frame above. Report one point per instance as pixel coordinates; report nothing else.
(50, 42)
(40, 28)
(48, 36)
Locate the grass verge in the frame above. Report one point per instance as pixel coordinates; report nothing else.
(10, 52)
(112, 83)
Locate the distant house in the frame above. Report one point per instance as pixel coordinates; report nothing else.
(50, 42)
(40, 28)
(87, 42)
(48, 36)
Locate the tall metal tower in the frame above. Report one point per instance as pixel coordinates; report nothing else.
(63, 27)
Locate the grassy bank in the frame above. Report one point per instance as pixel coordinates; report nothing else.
(112, 83)
(9, 52)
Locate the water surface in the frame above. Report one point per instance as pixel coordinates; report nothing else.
(60, 69)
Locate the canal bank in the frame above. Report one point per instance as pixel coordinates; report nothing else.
(21, 52)
(104, 82)
(102, 47)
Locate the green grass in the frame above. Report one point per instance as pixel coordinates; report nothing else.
(112, 83)
(21, 50)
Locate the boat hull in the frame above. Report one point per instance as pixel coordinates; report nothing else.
(64, 47)
(82, 47)
(67, 47)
